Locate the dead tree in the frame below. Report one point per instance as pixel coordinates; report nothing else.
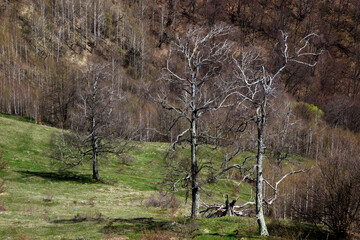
(193, 86)
(256, 86)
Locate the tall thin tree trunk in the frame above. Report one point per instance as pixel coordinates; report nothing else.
(195, 193)
(73, 19)
(94, 23)
(86, 23)
(261, 122)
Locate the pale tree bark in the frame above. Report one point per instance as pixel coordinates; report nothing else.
(256, 87)
(86, 24)
(261, 123)
(203, 52)
(95, 20)
(43, 22)
(58, 44)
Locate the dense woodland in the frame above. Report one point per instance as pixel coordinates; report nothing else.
(57, 56)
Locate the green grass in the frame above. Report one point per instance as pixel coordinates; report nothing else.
(43, 203)
(40, 201)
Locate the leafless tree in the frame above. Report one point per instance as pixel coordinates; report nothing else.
(333, 198)
(193, 86)
(256, 86)
(96, 122)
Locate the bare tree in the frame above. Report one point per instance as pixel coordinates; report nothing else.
(96, 122)
(256, 86)
(193, 86)
(334, 199)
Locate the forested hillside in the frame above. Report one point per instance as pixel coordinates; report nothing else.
(275, 78)
(44, 45)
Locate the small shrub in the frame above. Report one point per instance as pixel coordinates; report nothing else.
(164, 201)
(158, 200)
(126, 159)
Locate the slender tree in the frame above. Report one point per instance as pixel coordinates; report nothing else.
(96, 123)
(256, 86)
(192, 87)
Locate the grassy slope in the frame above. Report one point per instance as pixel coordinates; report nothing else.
(78, 206)
(43, 204)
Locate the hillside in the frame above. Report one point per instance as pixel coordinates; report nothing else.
(45, 45)
(259, 100)
(41, 203)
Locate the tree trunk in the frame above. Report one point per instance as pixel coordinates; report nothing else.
(194, 172)
(261, 121)
(95, 168)
(194, 166)
(94, 144)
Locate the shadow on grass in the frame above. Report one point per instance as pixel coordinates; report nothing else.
(148, 221)
(135, 225)
(121, 225)
(67, 176)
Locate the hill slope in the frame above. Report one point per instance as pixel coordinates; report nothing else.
(42, 203)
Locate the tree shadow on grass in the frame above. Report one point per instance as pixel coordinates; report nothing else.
(120, 225)
(61, 176)
(79, 220)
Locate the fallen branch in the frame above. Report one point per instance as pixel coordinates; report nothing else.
(227, 209)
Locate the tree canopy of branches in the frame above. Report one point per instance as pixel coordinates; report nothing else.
(194, 86)
(256, 86)
(99, 125)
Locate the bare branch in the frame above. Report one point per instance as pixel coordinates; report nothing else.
(275, 187)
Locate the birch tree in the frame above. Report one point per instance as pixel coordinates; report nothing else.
(192, 86)
(256, 86)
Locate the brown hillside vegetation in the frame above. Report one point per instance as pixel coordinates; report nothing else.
(51, 51)
(45, 43)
